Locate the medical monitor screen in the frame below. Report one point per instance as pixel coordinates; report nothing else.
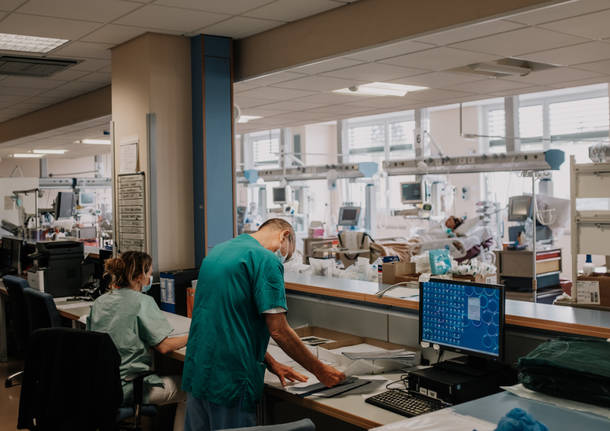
(348, 216)
(279, 195)
(519, 208)
(463, 317)
(86, 199)
(410, 193)
(64, 205)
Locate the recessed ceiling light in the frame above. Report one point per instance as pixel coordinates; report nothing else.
(245, 118)
(49, 151)
(380, 89)
(26, 156)
(94, 141)
(19, 42)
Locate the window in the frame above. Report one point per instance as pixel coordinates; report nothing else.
(579, 119)
(265, 148)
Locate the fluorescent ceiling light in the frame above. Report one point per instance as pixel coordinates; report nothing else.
(18, 42)
(49, 151)
(26, 156)
(380, 89)
(245, 118)
(94, 141)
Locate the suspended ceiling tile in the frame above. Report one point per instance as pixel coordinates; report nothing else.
(97, 77)
(390, 50)
(32, 25)
(68, 75)
(318, 83)
(263, 81)
(248, 102)
(9, 5)
(570, 55)
(86, 10)
(491, 85)
(557, 12)
(289, 106)
(18, 91)
(554, 76)
(596, 66)
(581, 83)
(519, 42)
(593, 26)
(471, 31)
(437, 59)
(340, 109)
(114, 34)
(91, 65)
(260, 111)
(274, 93)
(239, 27)
(292, 10)
(28, 82)
(79, 50)
(330, 98)
(372, 72)
(378, 102)
(233, 7)
(439, 79)
(432, 95)
(326, 65)
(169, 18)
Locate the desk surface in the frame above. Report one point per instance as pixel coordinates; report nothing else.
(548, 317)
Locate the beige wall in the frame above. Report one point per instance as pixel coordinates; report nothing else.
(151, 74)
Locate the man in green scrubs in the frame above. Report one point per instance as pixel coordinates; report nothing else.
(240, 302)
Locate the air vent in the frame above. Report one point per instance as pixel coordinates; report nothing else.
(33, 66)
(504, 67)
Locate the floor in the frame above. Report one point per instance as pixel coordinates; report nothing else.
(9, 397)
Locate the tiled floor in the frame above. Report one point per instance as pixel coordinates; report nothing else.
(9, 398)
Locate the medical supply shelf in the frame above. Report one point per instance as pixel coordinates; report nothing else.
(590, 230)
(545, 317)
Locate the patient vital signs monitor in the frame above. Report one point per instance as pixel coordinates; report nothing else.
(463, 317)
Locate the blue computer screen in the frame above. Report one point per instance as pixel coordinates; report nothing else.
(461, 316)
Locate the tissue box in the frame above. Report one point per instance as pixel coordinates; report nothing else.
(393, 270)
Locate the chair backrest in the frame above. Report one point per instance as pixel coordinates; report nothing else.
(302, 425)
(18, 309)
(42, 312)
(71, 381)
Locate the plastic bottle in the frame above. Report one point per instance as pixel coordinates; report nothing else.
(587, 269)
(379, 263)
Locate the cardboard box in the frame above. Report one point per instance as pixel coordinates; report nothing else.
(593, 289)
(393, 270)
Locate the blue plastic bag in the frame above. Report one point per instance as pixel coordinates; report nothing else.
(440, 262)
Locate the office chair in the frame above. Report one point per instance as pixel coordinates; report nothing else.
(41, 310)
(72, 382)
(18, 312)
(302, 425)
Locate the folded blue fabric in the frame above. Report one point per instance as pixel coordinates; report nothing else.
(520, 420)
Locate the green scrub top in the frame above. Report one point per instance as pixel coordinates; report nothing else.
(135, 324)
(238, 281)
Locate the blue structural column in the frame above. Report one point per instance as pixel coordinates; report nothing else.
(213, 168)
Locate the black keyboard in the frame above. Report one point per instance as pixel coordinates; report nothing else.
(405, 403)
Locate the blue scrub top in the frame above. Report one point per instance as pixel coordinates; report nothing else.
(228, 338)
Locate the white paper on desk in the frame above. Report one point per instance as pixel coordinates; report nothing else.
(523, 392)
(440, 420)
(402, 292)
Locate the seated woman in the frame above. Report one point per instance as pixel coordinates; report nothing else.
(135, 324)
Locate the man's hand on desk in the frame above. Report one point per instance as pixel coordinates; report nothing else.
(284, 372)
(290, 343)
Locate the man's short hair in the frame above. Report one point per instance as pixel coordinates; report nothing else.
(279, 224)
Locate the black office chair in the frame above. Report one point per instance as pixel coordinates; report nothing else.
(41, 310)
(19, 320)
(72, 382)
(302, 425)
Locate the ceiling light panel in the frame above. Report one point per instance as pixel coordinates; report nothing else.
(26, 156)
(94, 141)
(49, 151)
(380, 89)
(23, 43)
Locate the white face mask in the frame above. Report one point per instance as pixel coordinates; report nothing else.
(279, 254)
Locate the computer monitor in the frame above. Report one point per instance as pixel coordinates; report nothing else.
(519, 208)
(64, 205)
(279, 195)
(349, 216)
(463, 317)
(86, 199)
(411, 193)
